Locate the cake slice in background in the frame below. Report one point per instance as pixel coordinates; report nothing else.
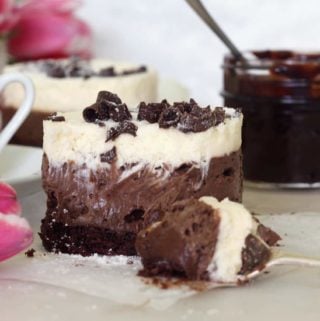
(205, 240)
(66, 85)
(108, 173)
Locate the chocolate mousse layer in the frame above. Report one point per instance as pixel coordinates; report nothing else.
(99, 213)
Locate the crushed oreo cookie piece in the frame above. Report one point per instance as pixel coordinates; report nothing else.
(90, 113)
(107, 106)
(134, 71)
(54, 70)
(151, 112)
(55, 117)
(219, 115)
(107, 72)
(125, 127)
(169, 117)
(105, 95)
(58, 118)
(109, 156)
(78, 68)
(119, 113)
(186, 116)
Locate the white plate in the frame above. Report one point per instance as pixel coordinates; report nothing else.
(20, 166)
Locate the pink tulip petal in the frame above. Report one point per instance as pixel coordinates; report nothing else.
(15, 235)
(8, 200)
(8, 15)
(49, 35)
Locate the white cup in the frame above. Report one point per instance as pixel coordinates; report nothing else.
(24, 109)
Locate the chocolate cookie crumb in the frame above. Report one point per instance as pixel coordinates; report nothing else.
(107, 72)
(54, 117)
(125, 127)
(109, 156)
(151, 112)
(169, 117)
(30, 252)
(58, 118)
(119, 113)
(219, 115)
(134, 71)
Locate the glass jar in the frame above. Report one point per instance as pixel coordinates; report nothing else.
(279, 94)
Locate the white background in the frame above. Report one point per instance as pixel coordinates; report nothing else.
(169, 36)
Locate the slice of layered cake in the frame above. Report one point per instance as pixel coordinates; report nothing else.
(204, 239)
(67, 85)
(108, 173)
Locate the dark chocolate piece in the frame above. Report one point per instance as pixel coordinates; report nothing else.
(119, 113)
(54, 117)
(90, 114)
(58, 118)
(169, 117)
(134, 71)
(186, 116)
(108, 96)
(107, 72)
(151, 112)
(109, 156)
(55, 70)
(125, 127)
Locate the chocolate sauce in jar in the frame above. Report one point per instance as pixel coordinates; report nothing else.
(279, 94)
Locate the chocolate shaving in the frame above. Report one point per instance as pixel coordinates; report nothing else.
(54, 117)
(169, 117)
(119, 113)
(186, 116)
(108, 96)
(134, 71)
(151, 112)
(109, 156)
(107, 106)
(125, 127)
(90, 114)
(219, 115)
(107, 72)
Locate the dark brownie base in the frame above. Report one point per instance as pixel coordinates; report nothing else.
(85, 240)
(99, 214)
(31, 131)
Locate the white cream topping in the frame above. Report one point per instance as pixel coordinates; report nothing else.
(68, 94)
(236, 223)
(82, 142)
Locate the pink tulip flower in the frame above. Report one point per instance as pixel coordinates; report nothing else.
(48, 29)
(15, 232)
(8, 15)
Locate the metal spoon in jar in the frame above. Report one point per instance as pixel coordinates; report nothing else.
(199, 8)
